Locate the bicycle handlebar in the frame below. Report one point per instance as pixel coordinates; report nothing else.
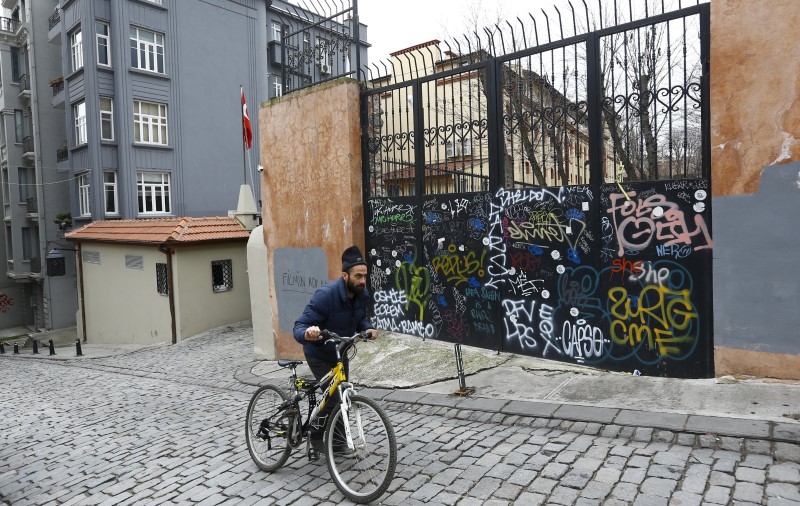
(358, 336)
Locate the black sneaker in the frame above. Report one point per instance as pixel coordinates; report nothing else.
(316, 449)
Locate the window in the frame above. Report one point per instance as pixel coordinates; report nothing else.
(277, 87)
(16, 66)
(147, 50)
(91, 257)
(25, 179)
(153, 191)
(106, 119)
(103, 43)
(149, 122)
(159, 2)
(19, 125)
(276, 31)
(222, 275)
(134, 262)
(76, 45)
(162, 285)
(84, 194)
(110, 192)
(30, 239)
(79, 112)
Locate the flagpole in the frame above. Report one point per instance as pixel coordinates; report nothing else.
(244, 141)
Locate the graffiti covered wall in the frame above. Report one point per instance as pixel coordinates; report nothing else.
(616, 280)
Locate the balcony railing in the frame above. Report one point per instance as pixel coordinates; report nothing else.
(3, 153)
(27, 144)
(58, 88)
(24, 83)
(36, 265)
(9, 25)
(54, 19)
(32, 205)
(62, 155)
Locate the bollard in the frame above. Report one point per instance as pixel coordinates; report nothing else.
(78, 352)
(16, 348)
(52, 348)
(35, 346)
(2, 348)
(462, 383)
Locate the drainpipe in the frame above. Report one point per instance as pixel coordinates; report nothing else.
(79, 261)
(170, 292)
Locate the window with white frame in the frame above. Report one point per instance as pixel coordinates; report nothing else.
(158, 2)
(147, 50)
(153, 192)
(276, 31)
(84, 195)
(79, 113)
(103, 43)
(110, 192)
(106, 119)
(76, 48)
(149, 122)
(278, 88)
(221, 275)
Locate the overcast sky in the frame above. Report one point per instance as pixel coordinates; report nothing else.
(397, 25)
(393, 26)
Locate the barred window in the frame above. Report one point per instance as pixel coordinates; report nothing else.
(161, 279)
(221, 275)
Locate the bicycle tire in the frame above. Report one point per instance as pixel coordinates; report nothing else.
(364, 473)
(269, 448)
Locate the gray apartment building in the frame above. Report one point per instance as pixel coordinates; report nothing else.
(131, 109)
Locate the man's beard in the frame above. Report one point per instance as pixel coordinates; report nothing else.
(355, 289)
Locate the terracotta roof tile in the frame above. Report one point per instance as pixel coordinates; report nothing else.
(161, 230)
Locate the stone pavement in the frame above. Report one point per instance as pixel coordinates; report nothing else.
(162, 425)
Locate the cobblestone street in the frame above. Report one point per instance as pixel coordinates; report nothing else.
(165, 425)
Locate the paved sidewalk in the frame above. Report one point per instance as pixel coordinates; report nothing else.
(406, 370)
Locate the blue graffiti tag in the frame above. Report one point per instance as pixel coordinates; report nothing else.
(574, 214)
(572, 255)
(441, 301)
(535, 250)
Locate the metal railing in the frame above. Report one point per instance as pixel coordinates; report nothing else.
(54, 19)
(58, 88)
(62, 155)
(9, 24)
(32, 205)
(24, 83)
(317, 43)
(27, 144)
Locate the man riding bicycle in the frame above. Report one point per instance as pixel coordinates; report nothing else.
(340, 307)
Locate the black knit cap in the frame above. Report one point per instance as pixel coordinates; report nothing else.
(352, 256)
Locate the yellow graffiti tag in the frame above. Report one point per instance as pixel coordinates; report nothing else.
(457, 267)
(658, 318)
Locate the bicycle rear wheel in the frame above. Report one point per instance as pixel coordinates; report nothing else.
(364, 472)
(267, 429)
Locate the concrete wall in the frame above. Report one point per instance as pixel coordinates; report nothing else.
(755, 134)
(198, 307)
(122, 304)
(311, 186)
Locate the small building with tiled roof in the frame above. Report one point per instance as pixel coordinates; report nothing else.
(160, 280)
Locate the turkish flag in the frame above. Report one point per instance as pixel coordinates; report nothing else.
(248, 130)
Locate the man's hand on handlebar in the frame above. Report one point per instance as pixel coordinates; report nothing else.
(371, 334)
(313, 333)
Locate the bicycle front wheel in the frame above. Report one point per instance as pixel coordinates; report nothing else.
(267, 428)
(364, 471)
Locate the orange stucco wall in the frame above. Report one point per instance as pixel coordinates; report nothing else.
(311, 184)
(755, 90)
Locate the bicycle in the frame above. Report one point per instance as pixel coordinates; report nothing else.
(359, 442)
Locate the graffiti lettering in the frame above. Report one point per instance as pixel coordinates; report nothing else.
(638, 222)
(457, 267)
(582, 340)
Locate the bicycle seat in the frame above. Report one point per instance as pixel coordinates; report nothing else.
(289, 363)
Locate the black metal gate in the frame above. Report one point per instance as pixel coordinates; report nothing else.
(553, 201)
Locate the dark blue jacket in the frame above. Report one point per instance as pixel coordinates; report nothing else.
(330, 309)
